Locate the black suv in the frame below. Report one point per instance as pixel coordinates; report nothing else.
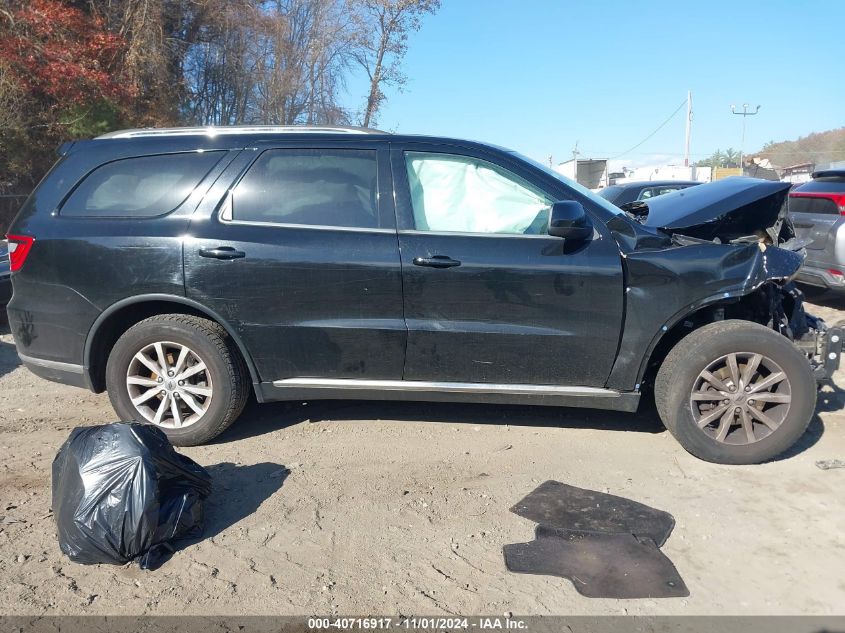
(182, 269)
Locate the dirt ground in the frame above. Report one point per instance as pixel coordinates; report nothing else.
(402, 509)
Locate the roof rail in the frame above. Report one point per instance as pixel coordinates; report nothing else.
(238, 129)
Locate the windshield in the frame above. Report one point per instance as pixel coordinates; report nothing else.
(598, 200)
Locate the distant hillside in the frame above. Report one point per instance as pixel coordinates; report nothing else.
(819, 148)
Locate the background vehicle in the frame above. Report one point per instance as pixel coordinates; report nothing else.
(636, 191)
(817, 209)
(334, 263)
(5, 280)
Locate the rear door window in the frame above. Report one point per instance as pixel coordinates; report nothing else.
(139, 187)
(311, 187)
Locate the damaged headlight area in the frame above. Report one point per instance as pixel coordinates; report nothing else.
(780, 306)
(726, 250)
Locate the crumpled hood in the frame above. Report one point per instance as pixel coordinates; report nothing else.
(726, 209)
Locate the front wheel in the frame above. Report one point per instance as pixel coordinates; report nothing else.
(735, 392)
(180, 373)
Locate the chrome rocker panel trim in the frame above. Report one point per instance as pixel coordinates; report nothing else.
(413, 390)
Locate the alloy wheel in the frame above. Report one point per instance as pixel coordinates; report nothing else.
(169, 385)
(741, 398)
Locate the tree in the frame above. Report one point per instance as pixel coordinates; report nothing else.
(78, 68)
(716, 159)
(728, 158)
(60, 73)
(731, 158)
(381, 30)
(60, 55)
(301, 66)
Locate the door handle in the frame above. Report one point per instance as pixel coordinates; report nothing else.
(436, 261)
(222, 252)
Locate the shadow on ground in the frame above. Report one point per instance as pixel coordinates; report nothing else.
(259, 419)
(831, 398)
(8, 354)
(238, 491)
(824, 298)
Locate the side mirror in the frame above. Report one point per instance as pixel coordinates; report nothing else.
(569, 220)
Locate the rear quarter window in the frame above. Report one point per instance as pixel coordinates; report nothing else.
(143, 186)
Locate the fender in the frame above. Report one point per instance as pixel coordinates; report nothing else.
(147, 298)
(665, 285)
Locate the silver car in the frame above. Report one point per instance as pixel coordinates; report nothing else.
(817, 209)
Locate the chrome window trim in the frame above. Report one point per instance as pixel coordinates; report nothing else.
(317, 227)
(596, 234)
(471, 234)
(446, 387)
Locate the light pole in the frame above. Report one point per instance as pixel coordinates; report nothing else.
(744, 114)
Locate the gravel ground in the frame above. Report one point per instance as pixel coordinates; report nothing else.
(402, 508)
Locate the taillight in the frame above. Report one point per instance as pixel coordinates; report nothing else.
(837, 198)
(19, 247)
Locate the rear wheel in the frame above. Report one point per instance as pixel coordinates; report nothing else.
(179, 372)
(735, 392)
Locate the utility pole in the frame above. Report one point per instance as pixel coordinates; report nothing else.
(689, 128)
(744, 114)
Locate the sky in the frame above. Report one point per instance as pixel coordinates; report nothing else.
(539, 76)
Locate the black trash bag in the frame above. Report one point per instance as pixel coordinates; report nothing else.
(121, 493)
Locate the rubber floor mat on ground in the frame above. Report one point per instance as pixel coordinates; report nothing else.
(562, 506)
(599, 565)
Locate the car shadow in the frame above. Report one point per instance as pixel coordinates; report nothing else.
(9, 360)
(814, 432)
(827, 299)
(259, 419)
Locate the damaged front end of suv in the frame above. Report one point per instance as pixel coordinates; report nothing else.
(722, 251)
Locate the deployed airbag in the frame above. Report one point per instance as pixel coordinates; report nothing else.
(465, 195)
(121, 493)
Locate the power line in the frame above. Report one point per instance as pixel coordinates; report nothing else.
(660, 127)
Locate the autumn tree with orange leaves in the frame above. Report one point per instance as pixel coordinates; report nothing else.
(77, 68)
(59, 78)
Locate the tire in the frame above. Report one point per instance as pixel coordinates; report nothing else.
(211, 394)
(685, 398)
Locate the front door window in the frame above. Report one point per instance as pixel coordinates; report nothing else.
(461, 194)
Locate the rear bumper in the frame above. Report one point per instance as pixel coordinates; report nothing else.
(65, 373)
(820, 277)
